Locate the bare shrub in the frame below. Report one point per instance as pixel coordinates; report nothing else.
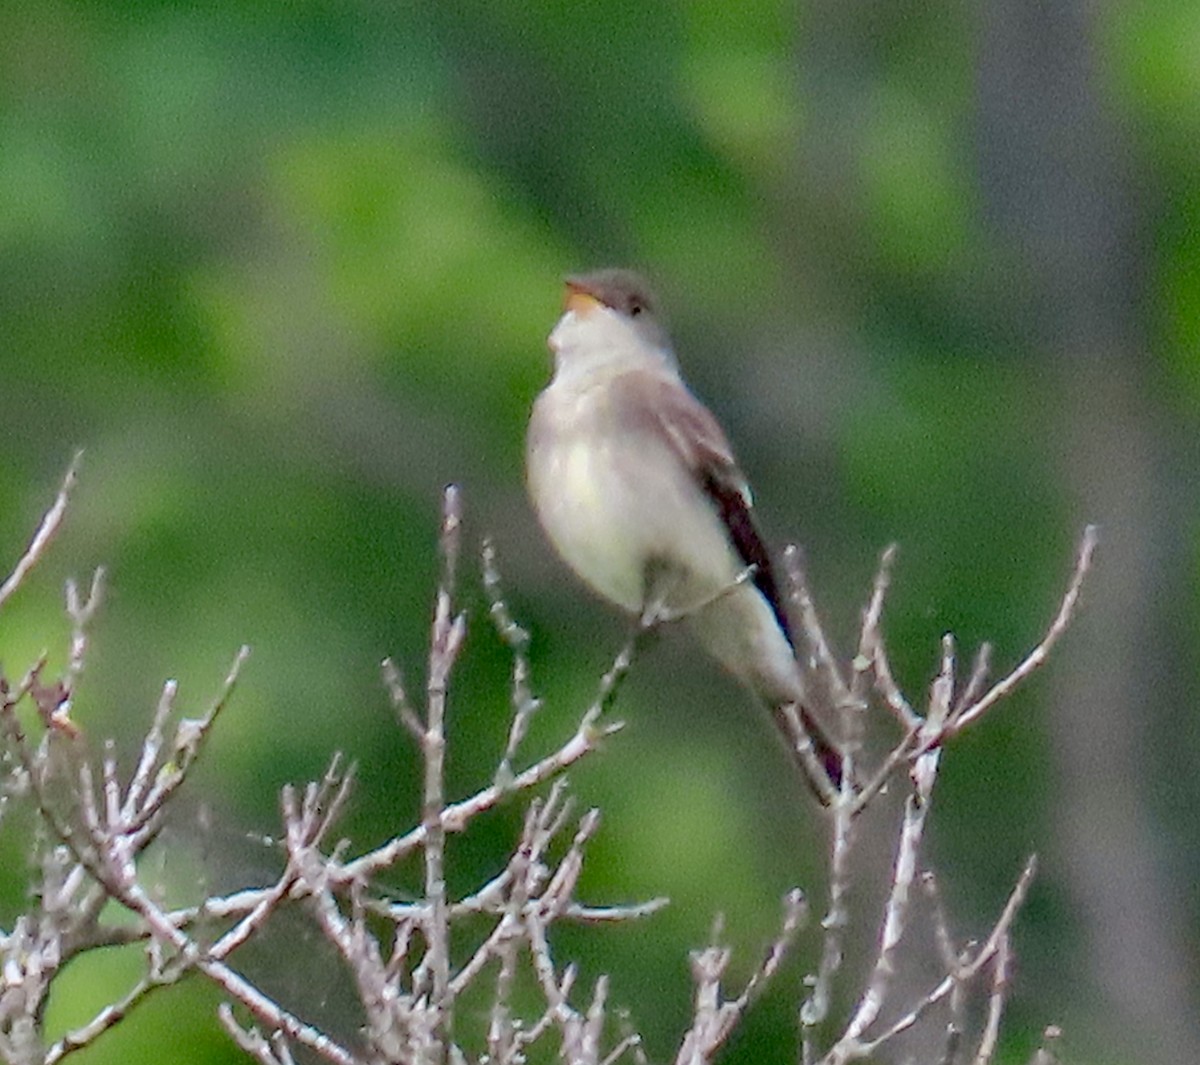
(97, 821)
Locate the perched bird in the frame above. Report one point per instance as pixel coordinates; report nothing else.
(637, 488)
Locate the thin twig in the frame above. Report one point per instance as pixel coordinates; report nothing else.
(393, 681)
(715, 1017)
(801, 598)
(967, 970)
(112, 1014)
(516, 638)
(815, 1007)
(449, 632)
(46, 529)
(991, 1030)
(1036, 657)
(871, 634)
(456, 816)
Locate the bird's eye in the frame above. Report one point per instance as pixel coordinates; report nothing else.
(635, 308)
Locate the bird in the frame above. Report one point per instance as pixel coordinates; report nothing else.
(637, 489)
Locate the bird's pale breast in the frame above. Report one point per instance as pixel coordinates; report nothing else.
(613, 502)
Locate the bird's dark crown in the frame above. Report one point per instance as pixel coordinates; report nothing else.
(623, 290)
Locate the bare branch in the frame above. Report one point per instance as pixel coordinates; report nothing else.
(715, 1017)
(456, 816)
(447, 639)
(273, 1051)
(49, 525)
(952, 981)
(1036, 657)
(871, 637)
(393, 681)
(108, 1016)
(1000, 977)
(801, 598)
(516, 638)
(815, 1007)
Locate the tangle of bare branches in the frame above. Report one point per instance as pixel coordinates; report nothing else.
(89, 889)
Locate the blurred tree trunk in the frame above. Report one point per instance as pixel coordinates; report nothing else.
(1053, 171)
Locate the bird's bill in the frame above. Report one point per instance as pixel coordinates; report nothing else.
(579, 300)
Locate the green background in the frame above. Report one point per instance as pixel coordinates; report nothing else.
(285, 270)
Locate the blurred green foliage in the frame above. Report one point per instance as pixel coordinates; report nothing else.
(284, 270)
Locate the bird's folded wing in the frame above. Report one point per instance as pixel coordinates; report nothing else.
(663, 406)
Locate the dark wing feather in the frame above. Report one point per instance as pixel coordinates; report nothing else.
(703, 448)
